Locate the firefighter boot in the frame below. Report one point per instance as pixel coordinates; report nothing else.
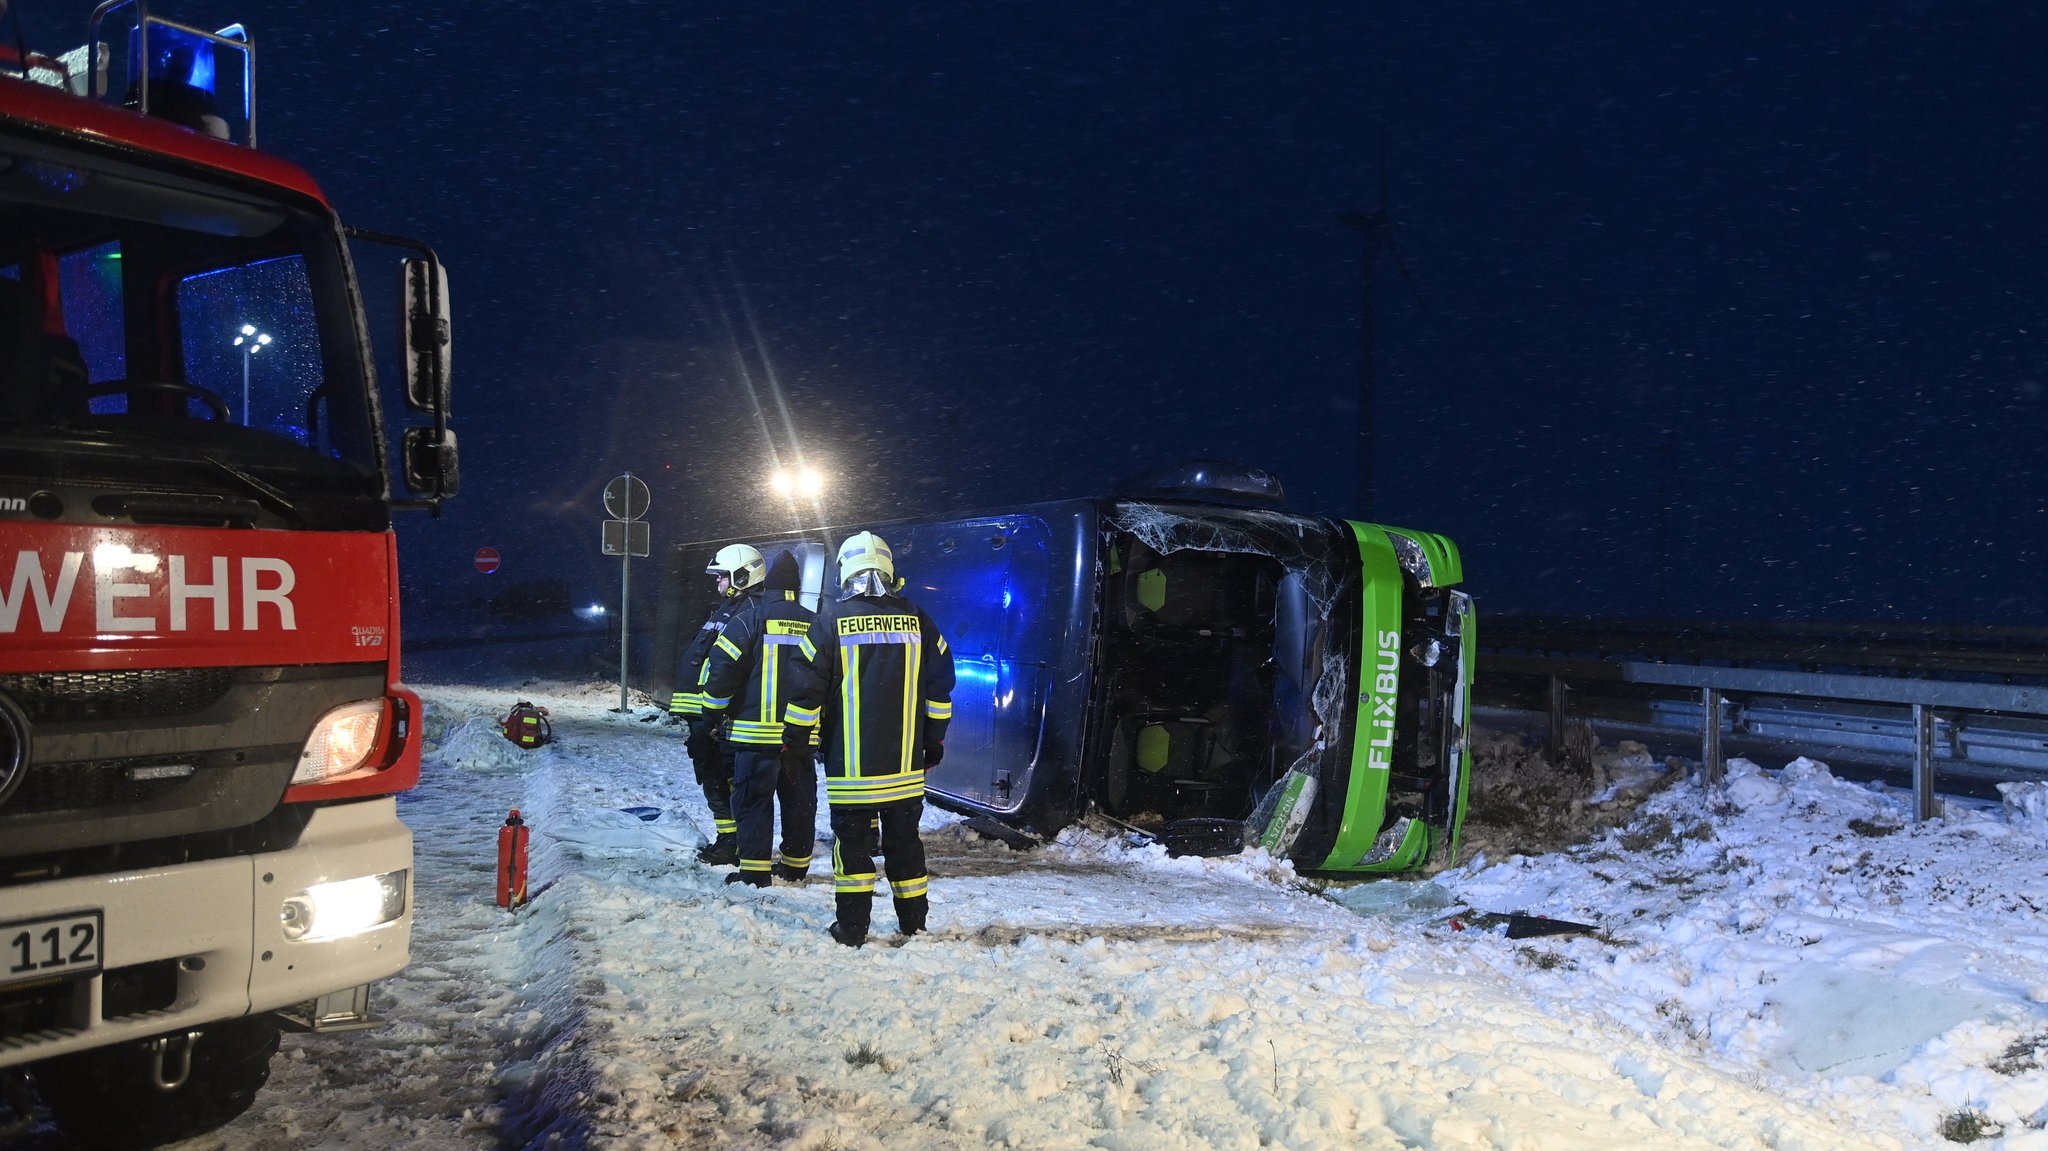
(785, 872)
(910, 914)
(851, 928)
(750, 878)
(724, 849)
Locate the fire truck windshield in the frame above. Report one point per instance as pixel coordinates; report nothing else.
(161, 332)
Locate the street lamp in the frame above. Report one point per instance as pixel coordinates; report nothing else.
(251, 342)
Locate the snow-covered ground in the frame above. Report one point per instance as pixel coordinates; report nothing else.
(1788, 964)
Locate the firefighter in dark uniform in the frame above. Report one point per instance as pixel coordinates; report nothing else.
(736, 567)
(748, 677)
(881, 677)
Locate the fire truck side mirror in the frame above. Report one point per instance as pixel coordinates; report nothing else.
(426, 337)
(432, 466)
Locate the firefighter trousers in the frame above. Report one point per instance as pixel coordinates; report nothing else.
(711, 759)
(764, 778)
(858, 830)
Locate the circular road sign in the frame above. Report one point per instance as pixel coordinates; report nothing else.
(487, 560)
(626, 497)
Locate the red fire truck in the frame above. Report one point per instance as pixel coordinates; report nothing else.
(202, 724)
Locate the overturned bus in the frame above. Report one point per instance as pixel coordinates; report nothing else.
(1189, 660)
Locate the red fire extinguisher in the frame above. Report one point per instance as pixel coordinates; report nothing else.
(512, 861)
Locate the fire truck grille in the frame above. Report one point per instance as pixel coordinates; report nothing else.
(65, 697)
(103, 783)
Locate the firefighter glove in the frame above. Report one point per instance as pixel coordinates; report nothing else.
(934, 741)
(704, 727)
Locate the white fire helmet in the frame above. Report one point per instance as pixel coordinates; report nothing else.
(866, 552)
(740, 563)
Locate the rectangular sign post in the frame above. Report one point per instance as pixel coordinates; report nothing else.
(625, 536)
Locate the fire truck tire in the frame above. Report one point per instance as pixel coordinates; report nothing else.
(107, 1099)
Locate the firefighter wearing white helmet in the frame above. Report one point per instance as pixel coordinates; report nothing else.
(737, 568)
(880, 675)
(865, 558)
(740, 566)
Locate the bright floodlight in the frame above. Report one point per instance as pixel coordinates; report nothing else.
(802, 483)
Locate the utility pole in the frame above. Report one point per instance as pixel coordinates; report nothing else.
(1667, 467)
(952, 457)
(1375, 228)
(1371, 227)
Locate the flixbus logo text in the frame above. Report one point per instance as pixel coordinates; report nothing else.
(141, 592)
(1383, 680)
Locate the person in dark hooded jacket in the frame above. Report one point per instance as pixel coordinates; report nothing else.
(749, 673)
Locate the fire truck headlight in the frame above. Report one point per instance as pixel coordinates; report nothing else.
(341, 742)
(349, 907)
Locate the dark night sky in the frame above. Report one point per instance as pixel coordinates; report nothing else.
(1726, 310)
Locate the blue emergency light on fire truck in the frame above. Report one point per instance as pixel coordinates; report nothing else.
(1191, 659)
(202, 724)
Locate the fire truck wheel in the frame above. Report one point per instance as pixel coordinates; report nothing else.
(107, 1098)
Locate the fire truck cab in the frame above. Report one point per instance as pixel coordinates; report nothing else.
(202, 724)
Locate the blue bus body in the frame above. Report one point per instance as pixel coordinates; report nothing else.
(1229, 675)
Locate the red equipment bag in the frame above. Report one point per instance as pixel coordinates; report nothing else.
(527, 725)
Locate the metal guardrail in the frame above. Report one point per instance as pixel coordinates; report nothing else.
(1948, 683)
(1915, 651)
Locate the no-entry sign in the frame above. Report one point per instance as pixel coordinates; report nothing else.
(487, 560)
